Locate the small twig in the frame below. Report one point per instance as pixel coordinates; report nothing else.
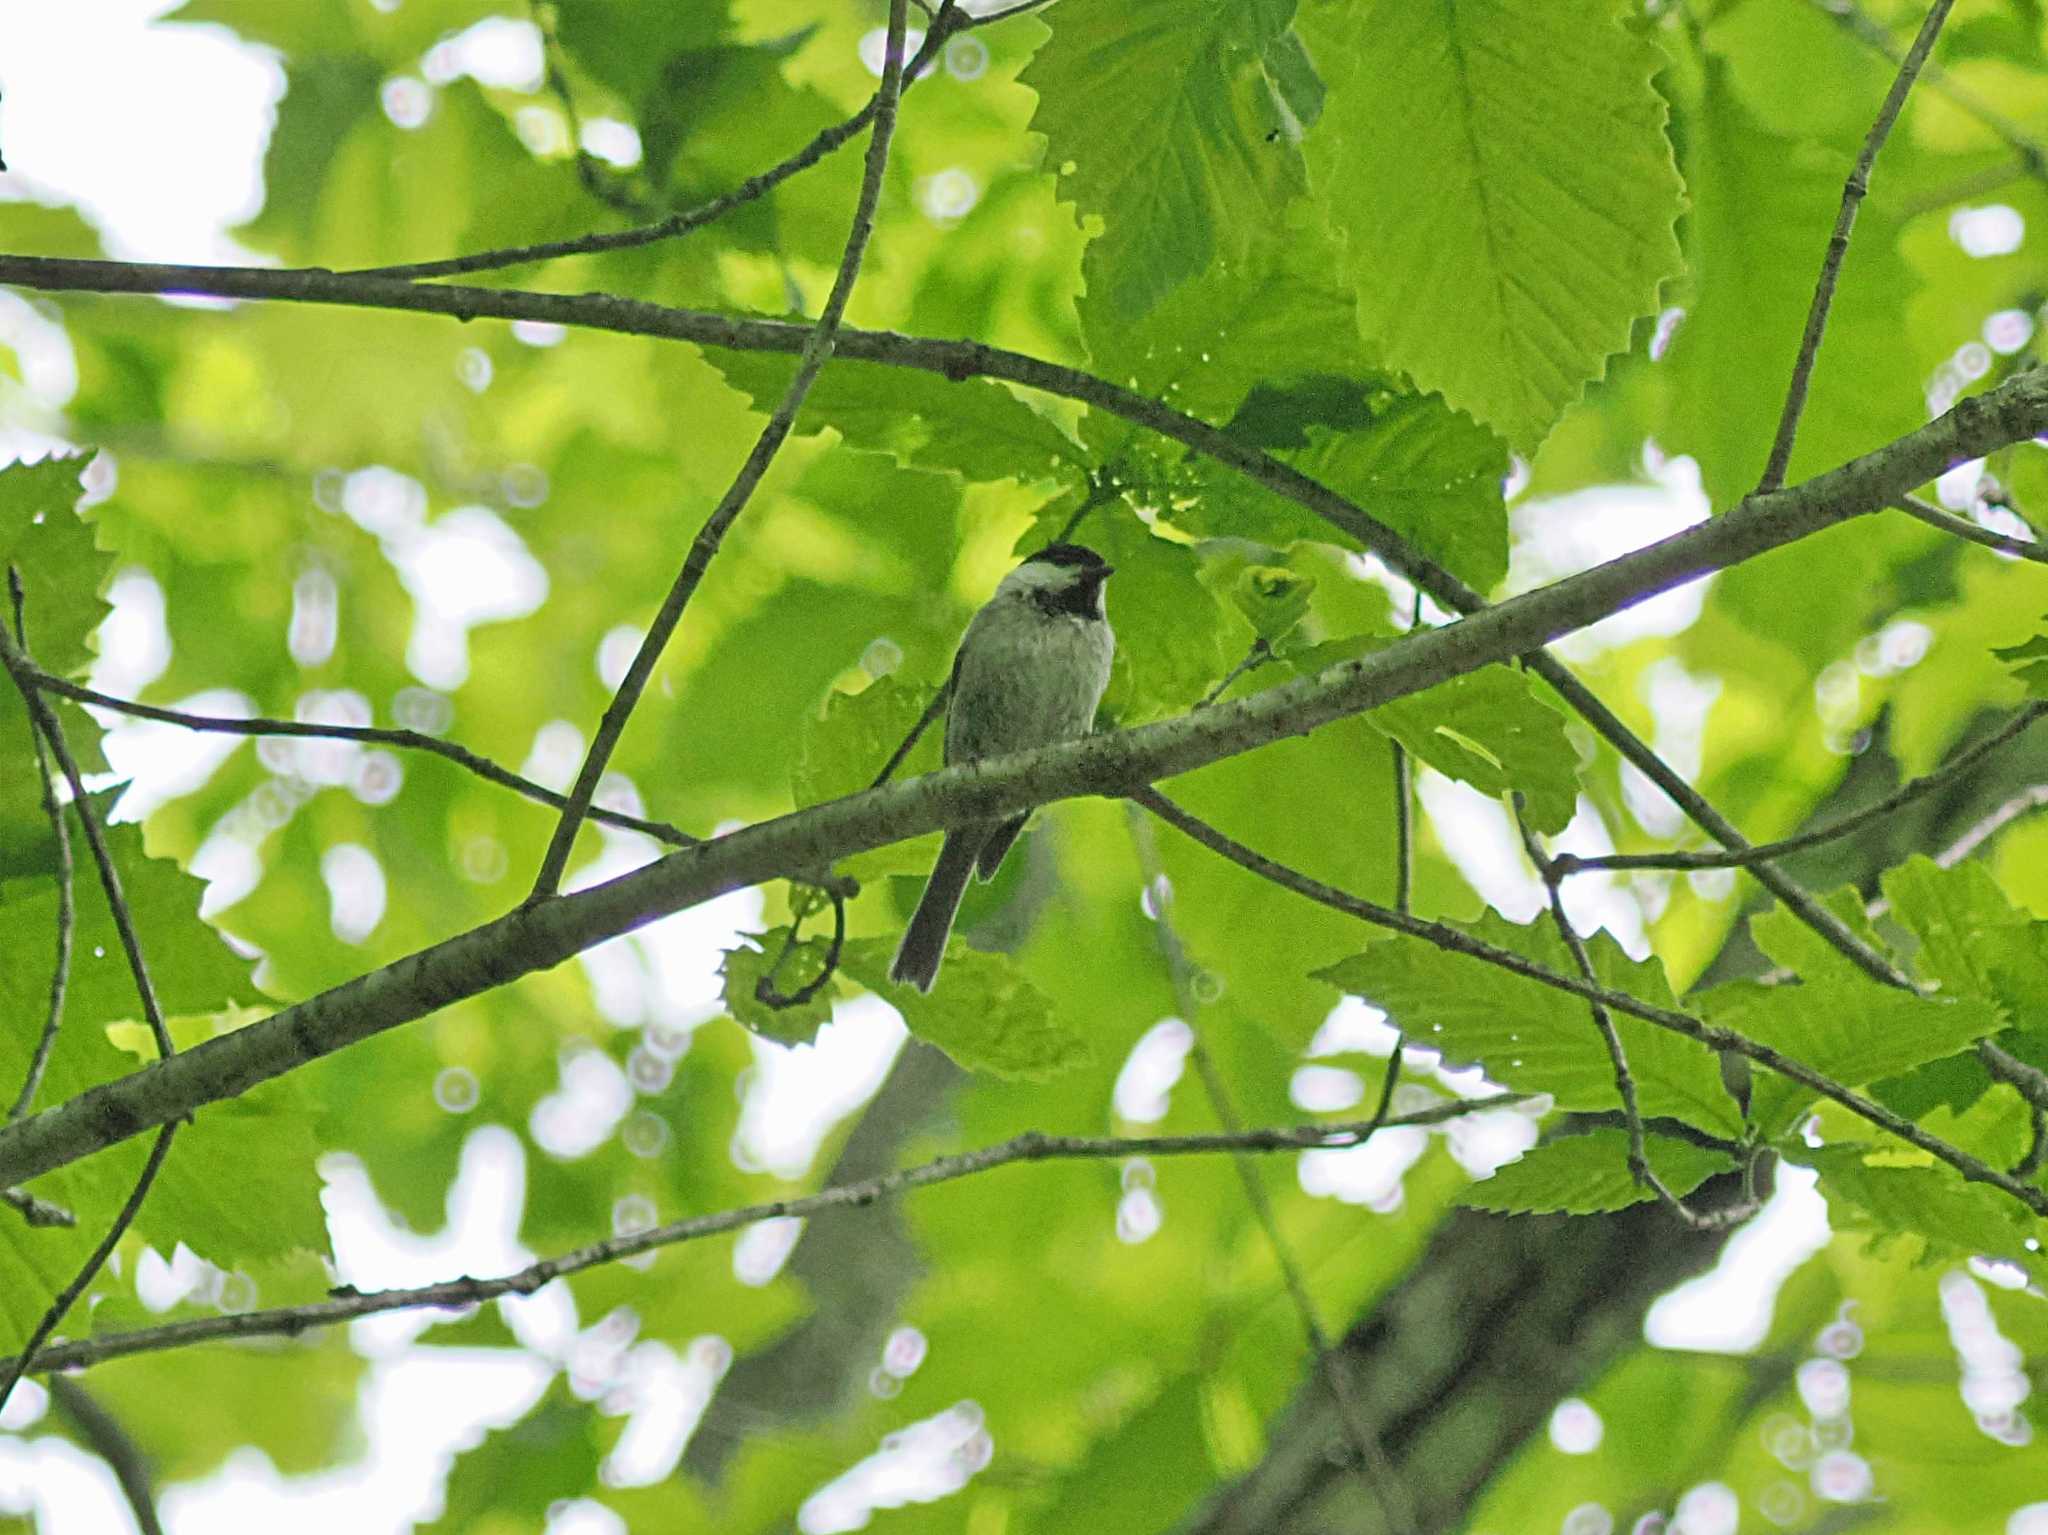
(1033, 1146)
(765, 990)
(950, 22)
(2030, 1165)
(105, 1436)
(37, 1212)
(1568, 864)
(377, 735)
(1254, 658)
(22, 670)
(18, 666)
(67, 911)
(1381, 1479)
(1102, 489)
(597, 178)
(1962, 527)
(1713, 1036)
(817, 349)
(1853, 191)
(2029, 799)
(16, 1367)
(2030, 156)
(1701, 812)
(1624, 1079)
(2028, 1080)
(932, 711)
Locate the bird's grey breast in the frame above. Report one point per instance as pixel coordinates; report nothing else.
(1026, 678)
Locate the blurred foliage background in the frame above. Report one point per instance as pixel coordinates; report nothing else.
(1526, 282)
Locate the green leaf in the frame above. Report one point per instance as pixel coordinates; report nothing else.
(983, 1012)
(1952, 1216)
(1161, 120)
(1532, 1037)
(748, 965)
(974, 428)
(1508, 204)
(1786, 939)
(1272, 598)
(1233, 329)
(2029, 663)
(1972, 940)
(1579, 1174)
(517, 1473)
(853, 740)
(1853, 1031)
(1761, 211)
(1171, 632)
(1490, 730)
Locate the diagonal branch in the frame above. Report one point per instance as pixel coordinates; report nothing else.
(1959, 527)
(67, 914)
(538, 937)
(1033, 1146)
(954, 360)
(1568, 863)
(16, 661)
(2029, 155)
(377, 735)
(1377, 1474)
(948, 24)
(1714, 1037)
(1624, 1079)
(817, 348)
(1853, 192)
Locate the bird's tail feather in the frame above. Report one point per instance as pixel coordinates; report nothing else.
(924, 941)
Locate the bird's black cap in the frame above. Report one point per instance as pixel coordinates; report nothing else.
(1075, 555)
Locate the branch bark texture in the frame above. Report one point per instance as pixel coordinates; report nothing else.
(542, 935)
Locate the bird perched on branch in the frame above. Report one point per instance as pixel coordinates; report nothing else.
(1030, 671)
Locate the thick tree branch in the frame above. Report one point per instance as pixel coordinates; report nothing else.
(817, 349)
(956, 360)
(1033, 1146)
(538, 937)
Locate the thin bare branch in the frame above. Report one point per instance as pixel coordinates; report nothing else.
(1382, 1482)
(1254, 658)
(2027, 800)
(1568, 864)
(533, 938)
(950, 22)
(16, 660)
(1624, 1079)
(16, 1367)
(67, 910)
(2030, 156)
(1712, 1036)
(37, 1212)
(290, 1321)
(1853, 191)
(817, 348)
(374, 735)
(105, 1436)
(1962, 527)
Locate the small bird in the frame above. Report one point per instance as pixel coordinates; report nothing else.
(1030, 671)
